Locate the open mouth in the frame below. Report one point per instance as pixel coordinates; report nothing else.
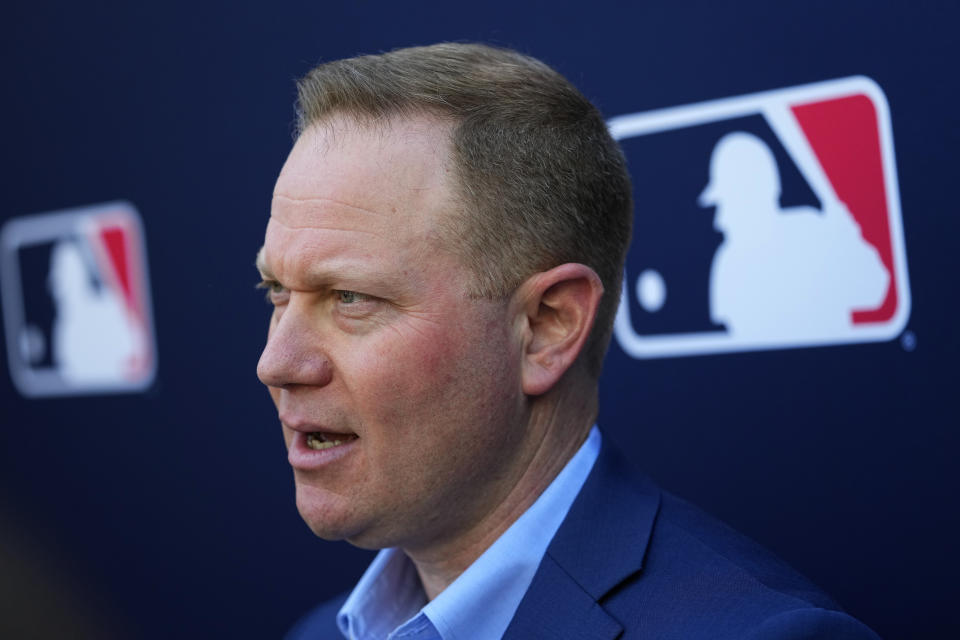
(319, 440)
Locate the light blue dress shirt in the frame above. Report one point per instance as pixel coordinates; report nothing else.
(389, 602)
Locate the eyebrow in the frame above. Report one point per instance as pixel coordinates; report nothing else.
(262, 267)
(318, 278)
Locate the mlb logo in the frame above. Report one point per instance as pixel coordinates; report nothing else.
(764, 221)
(76, 302)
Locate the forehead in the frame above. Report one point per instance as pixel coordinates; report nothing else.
(347, 185)
(381, 167)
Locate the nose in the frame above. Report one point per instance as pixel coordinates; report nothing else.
(293, 355)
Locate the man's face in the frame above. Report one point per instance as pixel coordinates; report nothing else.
(398, 393)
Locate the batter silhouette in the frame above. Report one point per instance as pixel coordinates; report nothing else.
(796, 271)
(94, 339)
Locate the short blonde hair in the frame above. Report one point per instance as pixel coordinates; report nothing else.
(541, 180)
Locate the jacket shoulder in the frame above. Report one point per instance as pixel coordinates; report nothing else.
(703, 579)
(659, 567)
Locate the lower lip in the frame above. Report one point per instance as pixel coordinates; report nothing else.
(303, 458)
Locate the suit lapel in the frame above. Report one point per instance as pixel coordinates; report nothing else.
(601, 543)
(556, 608)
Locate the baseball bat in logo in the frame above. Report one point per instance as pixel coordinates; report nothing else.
(76, 302)
(764, 221)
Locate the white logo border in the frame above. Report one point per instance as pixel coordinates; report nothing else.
(704, 343)
(19, 231)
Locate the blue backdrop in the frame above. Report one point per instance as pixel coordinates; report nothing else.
(170, 513)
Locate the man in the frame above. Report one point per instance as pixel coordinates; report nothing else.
(444, 255)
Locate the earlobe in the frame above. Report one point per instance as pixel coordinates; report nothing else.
(559, 306)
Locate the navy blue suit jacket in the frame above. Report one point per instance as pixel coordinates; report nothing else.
(632, 561)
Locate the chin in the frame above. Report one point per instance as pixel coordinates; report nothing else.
(329, 518)
(322, 514)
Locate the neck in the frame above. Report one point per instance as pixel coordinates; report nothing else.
(558, 425)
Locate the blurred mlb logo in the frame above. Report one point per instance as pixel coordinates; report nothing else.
(763, 221)
(76, 302)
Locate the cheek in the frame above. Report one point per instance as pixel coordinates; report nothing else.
(409, 382)
(446, 380)
(409, 371)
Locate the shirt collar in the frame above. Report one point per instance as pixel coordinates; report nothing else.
(388, 594)
(481, 602)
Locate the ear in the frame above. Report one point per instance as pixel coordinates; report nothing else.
(557, 308)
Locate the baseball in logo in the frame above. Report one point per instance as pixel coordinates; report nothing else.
(76, 302)
(764, 221)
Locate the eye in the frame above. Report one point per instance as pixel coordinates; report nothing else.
(350, 297)
(355, 305)
(275, 290)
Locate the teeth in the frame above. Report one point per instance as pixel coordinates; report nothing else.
(317, 443)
